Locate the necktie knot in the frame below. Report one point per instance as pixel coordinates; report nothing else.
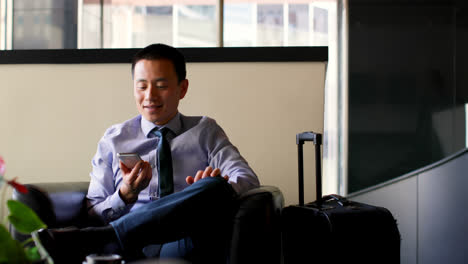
(161, 132)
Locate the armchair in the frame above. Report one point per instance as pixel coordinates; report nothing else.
(256, 235)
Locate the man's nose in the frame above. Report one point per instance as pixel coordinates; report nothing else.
(151, 92)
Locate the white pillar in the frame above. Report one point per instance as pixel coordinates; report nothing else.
(79, 27)
(9, 25)
(175, 25)
(342, 15)
(220, 23)
(285, 24)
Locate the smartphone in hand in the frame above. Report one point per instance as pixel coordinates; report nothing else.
(129, 159)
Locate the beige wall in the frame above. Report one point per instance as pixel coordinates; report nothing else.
(52, 116)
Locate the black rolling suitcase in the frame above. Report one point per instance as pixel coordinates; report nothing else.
(333, 229)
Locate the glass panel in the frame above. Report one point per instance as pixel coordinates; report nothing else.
(298, 33)
(406, 88)
(152, 24)
(184, 23)
(44, 24)
(270, 23)
(129, 24)
(2, 24)
(277, 23)
(133, 25)
(239, 24)
(197, 26)
(91, 25)
(320, 32)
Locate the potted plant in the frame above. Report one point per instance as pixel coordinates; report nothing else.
(25, 221)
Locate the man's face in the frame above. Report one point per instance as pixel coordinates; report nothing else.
(157, 90)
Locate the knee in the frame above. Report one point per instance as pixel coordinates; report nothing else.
(211, 183)
(216, 185)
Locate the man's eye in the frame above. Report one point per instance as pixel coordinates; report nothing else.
(141, 87)
(161, 86)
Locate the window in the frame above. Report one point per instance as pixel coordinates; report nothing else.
(260, 23)
(44, 24)
(133, 24)
(63, 24)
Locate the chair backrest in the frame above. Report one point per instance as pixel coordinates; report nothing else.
(58, 204)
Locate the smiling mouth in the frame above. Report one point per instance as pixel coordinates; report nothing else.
(152, 107)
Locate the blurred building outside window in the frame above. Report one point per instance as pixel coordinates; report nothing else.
(89, 25)
(277, 23)
(132, 24)
(59, 24)
(44, 24)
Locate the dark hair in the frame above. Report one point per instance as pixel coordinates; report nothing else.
(162, 51)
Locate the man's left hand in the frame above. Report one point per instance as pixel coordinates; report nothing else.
(209, 172)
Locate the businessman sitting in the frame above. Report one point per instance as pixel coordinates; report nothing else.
(179, 199)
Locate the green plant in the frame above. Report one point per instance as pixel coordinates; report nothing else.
(25, 221)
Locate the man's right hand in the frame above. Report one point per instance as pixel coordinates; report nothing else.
(134, 180)
(209, 172)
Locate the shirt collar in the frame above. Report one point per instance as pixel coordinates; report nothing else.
(174, 125)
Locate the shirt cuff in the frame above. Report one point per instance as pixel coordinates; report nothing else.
(118, 207)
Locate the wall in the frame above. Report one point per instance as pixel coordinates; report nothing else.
(52, 116)
(429, 207)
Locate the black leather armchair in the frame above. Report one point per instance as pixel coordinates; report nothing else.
(256, 236)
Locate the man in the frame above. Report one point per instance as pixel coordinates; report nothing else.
(189, 211)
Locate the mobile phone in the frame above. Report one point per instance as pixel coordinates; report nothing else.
(129, 159)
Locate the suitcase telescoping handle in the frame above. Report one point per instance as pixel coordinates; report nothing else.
(317, 139)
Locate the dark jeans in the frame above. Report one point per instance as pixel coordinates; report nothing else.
(203, 212)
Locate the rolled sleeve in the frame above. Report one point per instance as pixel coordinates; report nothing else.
(104, 201)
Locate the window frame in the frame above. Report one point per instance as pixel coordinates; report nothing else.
(226, 54)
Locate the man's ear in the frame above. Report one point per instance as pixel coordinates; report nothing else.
(183, 88)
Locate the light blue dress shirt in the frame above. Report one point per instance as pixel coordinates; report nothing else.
(196, 142)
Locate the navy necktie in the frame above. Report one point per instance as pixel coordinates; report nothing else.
(165, 180)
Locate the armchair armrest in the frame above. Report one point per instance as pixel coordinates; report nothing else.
(256, 235)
